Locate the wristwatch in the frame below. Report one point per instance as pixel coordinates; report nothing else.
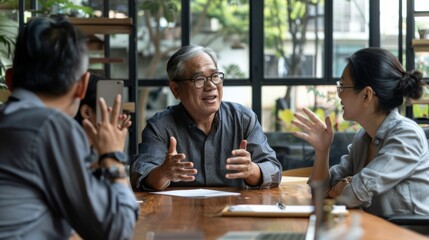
(113, 173)
(118, 156)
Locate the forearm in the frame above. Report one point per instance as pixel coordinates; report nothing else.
(156, 180)
(321, 166)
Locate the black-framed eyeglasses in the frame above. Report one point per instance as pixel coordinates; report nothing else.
(340, 87)
(200, 81)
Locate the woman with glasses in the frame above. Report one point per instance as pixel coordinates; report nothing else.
(387, 169)
(203, 141)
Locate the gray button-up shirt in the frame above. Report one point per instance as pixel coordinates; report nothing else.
(232, 124)
(46, 190)
(396, 181)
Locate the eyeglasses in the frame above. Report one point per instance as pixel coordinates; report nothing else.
(200, 81)
(340, 87)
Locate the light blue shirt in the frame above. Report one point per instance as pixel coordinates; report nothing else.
(396, 181)
(46, 190)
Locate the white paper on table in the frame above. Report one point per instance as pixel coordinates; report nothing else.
(197, 193)
(275, 211)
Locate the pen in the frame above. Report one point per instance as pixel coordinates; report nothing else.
(281, 206)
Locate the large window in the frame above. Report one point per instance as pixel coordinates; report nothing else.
(274, 52)
(278, 55)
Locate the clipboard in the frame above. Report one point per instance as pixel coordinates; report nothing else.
(278, 210)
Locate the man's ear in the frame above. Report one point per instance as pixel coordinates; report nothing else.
(9, 79)
(174, 88)
(82, 85)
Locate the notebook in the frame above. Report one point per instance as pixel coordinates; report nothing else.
(310, 234)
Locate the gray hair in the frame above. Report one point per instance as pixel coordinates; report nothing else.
(176, 64)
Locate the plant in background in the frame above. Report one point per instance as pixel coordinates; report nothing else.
(9, 27)
(233, 71)
(8, 33)
(66, 7)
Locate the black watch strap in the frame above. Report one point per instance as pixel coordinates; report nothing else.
(118, 156)
(111, 173)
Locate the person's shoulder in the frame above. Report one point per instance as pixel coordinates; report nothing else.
(397, 120)
(34, 116)
(236, 107)
(38, 119)
(58, 118)
(231, 110)
(165, 115)
(399, 124)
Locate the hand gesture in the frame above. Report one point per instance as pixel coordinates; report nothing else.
(108, 135)
(174, 169)
(241, 163)
(317, 133)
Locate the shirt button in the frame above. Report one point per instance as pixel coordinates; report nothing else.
(376, 142)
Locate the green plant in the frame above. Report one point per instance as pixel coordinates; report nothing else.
(233, 71)
(66, 7)
(8, 32)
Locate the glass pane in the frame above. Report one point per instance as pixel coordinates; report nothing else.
(118, 43)
(421, 5)
(293, 47)
(8, 32)
(421, 31)
(158, 36)
(223, 26)
(421, 20)
(351, 31)
(242, 95)
(119, 55)
(422, 63)
(152, 100)
(421, 108)
(389, 29)
(322, 99)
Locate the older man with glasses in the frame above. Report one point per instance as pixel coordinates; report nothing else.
(203, 141)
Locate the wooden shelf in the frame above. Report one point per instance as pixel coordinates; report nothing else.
(129, 107)
(106, 60)
(421, 14)
(92, 26)
(420, 45)
(411, 102)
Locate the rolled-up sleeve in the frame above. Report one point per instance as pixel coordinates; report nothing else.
(152, 151)
(262, 154)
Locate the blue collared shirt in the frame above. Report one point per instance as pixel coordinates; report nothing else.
(46, 190)
(232, 124)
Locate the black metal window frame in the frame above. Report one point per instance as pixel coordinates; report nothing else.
(256, 78)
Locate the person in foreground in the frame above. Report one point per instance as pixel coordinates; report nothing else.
(46, 191)
(203, 141)
(387, 169)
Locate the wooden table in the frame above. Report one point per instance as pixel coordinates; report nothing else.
(178, 215)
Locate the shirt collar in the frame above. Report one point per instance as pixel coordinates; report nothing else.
(387, 124)
(183, 114)
(23, 99)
